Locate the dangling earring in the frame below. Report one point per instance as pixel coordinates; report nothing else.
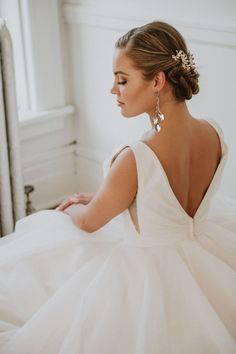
(157, 116)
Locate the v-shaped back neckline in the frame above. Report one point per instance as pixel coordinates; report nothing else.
(210, 187)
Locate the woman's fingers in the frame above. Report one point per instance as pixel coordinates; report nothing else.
(82, 198)
(68, 202)
(63, 206)
(85, 198)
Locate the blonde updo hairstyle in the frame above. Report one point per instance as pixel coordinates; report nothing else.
(151, 47)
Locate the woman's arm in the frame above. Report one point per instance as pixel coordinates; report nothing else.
(114, 196)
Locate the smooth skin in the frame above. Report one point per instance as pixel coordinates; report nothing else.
(189, 150)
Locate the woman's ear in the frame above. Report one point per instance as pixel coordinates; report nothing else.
(159, 81)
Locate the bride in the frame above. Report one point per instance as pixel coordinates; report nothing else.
(73, 281)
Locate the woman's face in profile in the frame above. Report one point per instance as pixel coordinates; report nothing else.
(134, 94)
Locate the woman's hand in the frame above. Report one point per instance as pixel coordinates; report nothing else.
(77, 198)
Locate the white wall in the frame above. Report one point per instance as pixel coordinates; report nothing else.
(46, 120)
(91, 29)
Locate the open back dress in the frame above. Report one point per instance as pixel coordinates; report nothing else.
(160, 283)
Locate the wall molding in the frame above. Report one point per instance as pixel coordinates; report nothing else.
(48, 156)
(50, 168)
(52, 173)
(43, 122)
(97, 156)
(89, 168)
(215, 33)
(32, 117)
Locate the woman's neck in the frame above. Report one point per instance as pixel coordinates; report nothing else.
(173, 112)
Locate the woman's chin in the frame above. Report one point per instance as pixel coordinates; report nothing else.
(127, 115)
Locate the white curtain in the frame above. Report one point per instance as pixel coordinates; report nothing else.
(12, 204)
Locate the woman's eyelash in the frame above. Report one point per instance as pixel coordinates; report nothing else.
(121, 82)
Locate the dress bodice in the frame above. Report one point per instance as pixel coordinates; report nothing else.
(156, 216)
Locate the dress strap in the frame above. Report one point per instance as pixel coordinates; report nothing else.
(111, 158)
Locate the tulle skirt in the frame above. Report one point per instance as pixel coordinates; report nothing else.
(65, 291)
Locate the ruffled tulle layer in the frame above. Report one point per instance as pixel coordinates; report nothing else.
(63, 291)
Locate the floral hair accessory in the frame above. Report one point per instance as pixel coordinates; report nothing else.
(187, 60)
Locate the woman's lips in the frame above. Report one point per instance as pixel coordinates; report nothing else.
(119, 103)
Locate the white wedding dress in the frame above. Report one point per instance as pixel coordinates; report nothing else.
(163, 283)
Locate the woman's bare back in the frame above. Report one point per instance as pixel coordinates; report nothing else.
(189, 153)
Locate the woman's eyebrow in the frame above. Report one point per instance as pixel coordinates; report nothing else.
(120, 72)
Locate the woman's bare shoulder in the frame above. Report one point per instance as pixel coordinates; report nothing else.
(196, 136)
(208, 133)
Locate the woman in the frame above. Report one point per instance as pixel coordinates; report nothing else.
(166, 284)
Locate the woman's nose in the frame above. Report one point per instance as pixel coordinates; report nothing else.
(114, 89)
